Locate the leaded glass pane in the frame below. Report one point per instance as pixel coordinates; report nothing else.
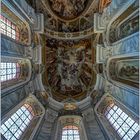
(75, 131)
(23, 108)
(27, 113)
(23, 127)
(119, 111)
(125, 127)
(115, 116)
(108, 115)
(4, 128)
(111, 111)
(8, 135)
(115, 107)
(13, 138)
(27, 121)
(19, 122)
(126, 138)
(14, 117)
(23, 116)
(129, 121)
(18, 133)
(111, 120)
(121, 132)
(116, 126)
(124, 116)
(120, 121)
(13, 128)
(7, 124)
(131, 133)
(135, 127)
(19, 112)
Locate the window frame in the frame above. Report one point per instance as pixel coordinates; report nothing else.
(20, 119)
(7, 24)
(122, 124)
(10, 71)
(74, 132)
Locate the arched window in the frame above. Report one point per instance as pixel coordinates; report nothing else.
(8, 28)
(9, 71)
(70, 132)
(15, 126)
(125, 126)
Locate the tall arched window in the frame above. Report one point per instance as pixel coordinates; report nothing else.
(8, 28)
(9, 71)
(15, 126)
(125, 126)
(70, 132)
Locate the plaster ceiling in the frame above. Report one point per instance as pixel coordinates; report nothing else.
(69, 71)
(66, 15)
(69, 63)
(67, 9)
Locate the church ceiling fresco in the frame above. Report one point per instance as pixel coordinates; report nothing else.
(67, 15)
(67, 9)
(125, 70)
(70, 119)
(69, 63)
(78, 25)
(121, 27)
(69, 67)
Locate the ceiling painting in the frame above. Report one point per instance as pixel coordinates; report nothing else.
(67, 9)
(69, 67)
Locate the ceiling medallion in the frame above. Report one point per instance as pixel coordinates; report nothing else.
(68, 9)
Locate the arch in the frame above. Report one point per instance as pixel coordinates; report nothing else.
(69, 121)
(27, 113)
(115, 17)
(17, 28)
(117, 120)
(14, 72)
(122, 28)
(124, 70)
(9, 71)
(8, 28)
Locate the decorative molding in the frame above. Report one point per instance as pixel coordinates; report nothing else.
(85, 103)
(76, 35)
(19, 15)
(116, 82)
(55, 104)
(39, 23)
(120, 9)
(9, 59)
(99, 23)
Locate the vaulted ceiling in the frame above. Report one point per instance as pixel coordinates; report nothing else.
(66, 15)
(69, 62)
